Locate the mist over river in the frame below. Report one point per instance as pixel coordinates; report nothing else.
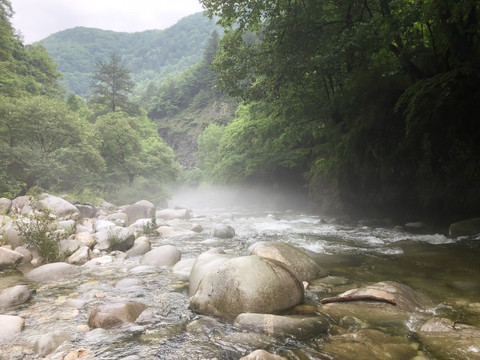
(444, 269)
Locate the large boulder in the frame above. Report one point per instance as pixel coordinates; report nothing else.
(5, 205)
(116, 238)
(170, 214)
(140, 210)
(11, 325)
(101, 224)
(140, 247)
(21, 205)
(468, 227)
(223, 231)
(449, 340)
(182, 269)
(9, 258)
(110, 315)
(205, 263)
(11, 236)
(302, 265)
(15, 295)
(58, 206)
(301, 327)
(119, 218)
(86, 210)
(47, 343)
(86, 239)
(53, 272)
(81, 256)
(166, 255)
(247, 284)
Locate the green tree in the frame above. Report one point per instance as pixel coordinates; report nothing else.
(111, 86)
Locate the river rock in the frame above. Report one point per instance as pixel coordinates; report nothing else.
(119, 218)
(128, 283)
(47, 343)
(81, 256)
(166, 255)
(301, 327)
(140, 247)
(449, 340)
(21, 205)
(68, 246)
(247, 284)
(205, 263)
(5, 205)
(223, 231)
(302, 265)
(58, 206)
(110, 315)
(86, 239)
(9, 258)
(140, 210)
(170, 231)
(15, 295)
(86, 210)
(369, 344)
(26, 252)
(100, 225)
(262, 355)
(53, 272)
(170, 214)
(11, 325)
(141, 224)
(468, 227)
(11, 236)
(182, 269)
(406, 299)
(116, 238)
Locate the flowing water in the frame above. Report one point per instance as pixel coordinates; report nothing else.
(445, 269)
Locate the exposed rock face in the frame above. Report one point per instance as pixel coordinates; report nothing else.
(140, 210)
(9, 258)
(205, 263)
(166, 255)
(247, 284)
(110, 315)
(223, 231)
(299, 326)
(47, 343)
(53, 272)
(465, 228)
(58, 206)
(451, 341)
(302, 265)
(14, 296)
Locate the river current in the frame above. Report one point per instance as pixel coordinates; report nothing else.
(445, 269)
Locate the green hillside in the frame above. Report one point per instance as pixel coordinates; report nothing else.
(150, 55)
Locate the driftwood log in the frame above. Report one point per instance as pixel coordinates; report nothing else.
(347, 298)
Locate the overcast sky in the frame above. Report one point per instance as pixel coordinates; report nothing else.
(36, 19)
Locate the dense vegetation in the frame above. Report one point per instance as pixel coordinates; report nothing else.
(372, 100)
(151, 56)
(49, 143)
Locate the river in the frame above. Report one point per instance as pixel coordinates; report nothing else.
(446, 270)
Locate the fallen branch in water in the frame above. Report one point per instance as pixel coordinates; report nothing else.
(347, 298)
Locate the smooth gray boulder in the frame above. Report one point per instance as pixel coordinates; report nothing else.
(9, 258)
(14, 295)
(205, 263)
(47, 343)
(223, 231)
(59, 207)
(110, 315)
(140, 210)
(68, 246)
(469, 227)
(140, 247)
(81, 256)
(5, 205)
(21, 205)
(11, 326)
(86, 210)
(302, 265)
(11, 236)
(182, 269)
(86, 239)
(116, 238)
(53, 272)
(100, 225)
(247, 284)
(301, 327)
(166, 255)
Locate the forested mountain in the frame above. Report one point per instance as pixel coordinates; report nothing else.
(150, 55)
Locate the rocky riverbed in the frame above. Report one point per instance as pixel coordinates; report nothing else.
(138, 282)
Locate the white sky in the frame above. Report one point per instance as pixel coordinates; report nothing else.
(36, 19)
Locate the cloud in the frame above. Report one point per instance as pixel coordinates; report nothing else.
(36, 19)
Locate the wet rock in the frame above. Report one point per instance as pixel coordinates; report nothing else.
(140, 210)
(15, 295)
(302, 265)
(301, 327)
(53, 272)
(68, 246)
(110, 315)
(247, 284)
(205, 263)
(5, 205)
(116, 238)
(77, 354)
(58, 206)
(166, 255)
(203, 327)
(406, 299)
(81, 256)
(369, 344)
(223, 231)
(128, 283)
(170, 214)
(99, 261)
(86, 210)
(118, 218)
(170, 231)
(182, 269)
(11, 325)
(140, 247)
(449, 340)
(9, 258)
(141, 224)
(47, 343)
(196, 228)
(27, 254)
(249, 340)
(262, 355)
(86, 239)
(468, 227)
(100, 225)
